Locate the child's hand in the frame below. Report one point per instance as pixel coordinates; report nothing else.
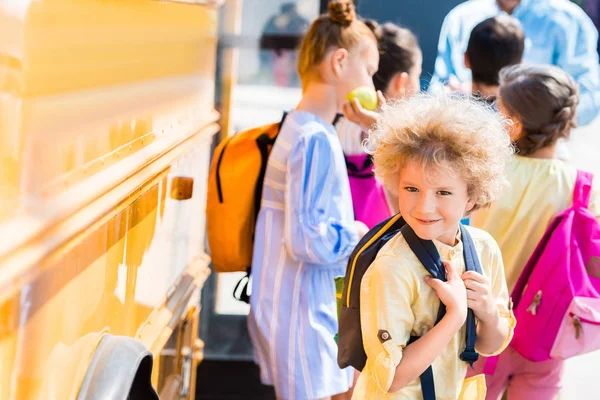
(452, 293)
(361, 116)
(479, 296)
(362, 228)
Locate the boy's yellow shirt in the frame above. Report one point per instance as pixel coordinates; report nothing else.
(395, 300)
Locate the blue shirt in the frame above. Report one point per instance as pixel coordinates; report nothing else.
(557, 32)
(304, 235)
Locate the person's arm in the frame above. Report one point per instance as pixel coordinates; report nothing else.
(387, 320)
(419, 355)
(492, 330)
(577, 54)
(386, 317)
(316, 227)
(444, 67)
(489, 300)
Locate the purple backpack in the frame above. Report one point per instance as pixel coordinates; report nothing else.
(557, 296)
(368, 195)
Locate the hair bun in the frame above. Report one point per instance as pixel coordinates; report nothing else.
(341, 12)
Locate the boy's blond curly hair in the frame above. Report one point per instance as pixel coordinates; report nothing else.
(444, 131)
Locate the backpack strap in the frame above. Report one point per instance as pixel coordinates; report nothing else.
(581, 199)
(469, 355)
(583, 188)
(337, 119)
(427, 253)
(263, 142)
(359, 171)
(244, 285)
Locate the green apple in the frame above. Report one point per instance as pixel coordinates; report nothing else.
(366, 95)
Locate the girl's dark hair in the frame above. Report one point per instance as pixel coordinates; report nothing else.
(544, 99)
(399, 51)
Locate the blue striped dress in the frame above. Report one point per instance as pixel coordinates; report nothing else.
(304, 235)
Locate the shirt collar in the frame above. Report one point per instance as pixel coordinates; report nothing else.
(521, 8)
(449, 252)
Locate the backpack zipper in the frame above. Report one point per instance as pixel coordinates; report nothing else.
(219, 188)
(578, 327)
(577, 323)
(535, 303)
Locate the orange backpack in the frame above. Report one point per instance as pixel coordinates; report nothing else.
(234, 192)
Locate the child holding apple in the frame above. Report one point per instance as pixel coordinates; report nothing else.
(397, 77)
(305, 229)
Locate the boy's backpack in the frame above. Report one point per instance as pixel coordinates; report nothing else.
(557, 296)
(350, 345)
(234, 193)
(368, 195)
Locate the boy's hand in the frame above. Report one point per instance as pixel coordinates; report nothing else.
(359, 115)
(479, 296)
(452, 293)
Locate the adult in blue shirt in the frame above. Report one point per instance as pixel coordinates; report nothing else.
(557, 32)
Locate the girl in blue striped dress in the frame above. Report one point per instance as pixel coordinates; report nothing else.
(305, 229)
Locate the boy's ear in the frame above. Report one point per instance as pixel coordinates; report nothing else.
(470, 205)
(467, 62)
(339, 59)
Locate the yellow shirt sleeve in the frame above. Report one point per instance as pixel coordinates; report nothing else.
(493, 258)
(386, 294)
(594, 205)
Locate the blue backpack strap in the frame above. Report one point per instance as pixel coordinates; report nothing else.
(469, 355)
(427, 253)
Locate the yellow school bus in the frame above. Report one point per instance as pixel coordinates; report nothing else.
(106, 123)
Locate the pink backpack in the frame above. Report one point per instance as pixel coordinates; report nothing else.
(557, 296)
(368, 195)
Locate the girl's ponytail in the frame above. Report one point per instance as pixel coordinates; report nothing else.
(544, 99)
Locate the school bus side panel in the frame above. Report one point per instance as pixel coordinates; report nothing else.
(102, 105)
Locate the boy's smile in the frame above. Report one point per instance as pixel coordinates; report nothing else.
(427, 221)
(432, 201)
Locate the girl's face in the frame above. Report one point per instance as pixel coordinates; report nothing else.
(515, 129)
(433, 201)
(355, 67)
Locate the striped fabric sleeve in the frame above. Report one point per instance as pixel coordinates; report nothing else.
(316, 228)
(576, 41)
